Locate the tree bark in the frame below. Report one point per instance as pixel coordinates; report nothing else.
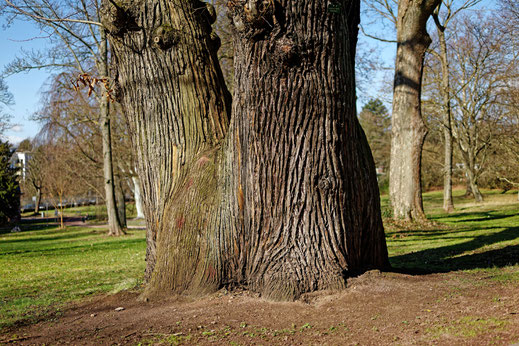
(121, 202)
(284, 198)
(308, 195)
(114, 223)
(178, 109)
(408, 128)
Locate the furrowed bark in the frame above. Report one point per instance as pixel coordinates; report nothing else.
(284, 198)
(308, 200)
(177, 105)
(408, 128)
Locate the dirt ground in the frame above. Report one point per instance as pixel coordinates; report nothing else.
(376, 309)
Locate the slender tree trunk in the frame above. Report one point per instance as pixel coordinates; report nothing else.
(138, 197)
(408, 128)
(121, 202)
(38, 200)
(448, 204)
(114, 223)
(61, 224)
(283, 199)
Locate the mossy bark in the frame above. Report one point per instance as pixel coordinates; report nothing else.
(281, 198)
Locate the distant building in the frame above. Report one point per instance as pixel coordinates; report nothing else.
(20, 160)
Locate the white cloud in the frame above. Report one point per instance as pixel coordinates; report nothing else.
(17, 128)
(14, 140)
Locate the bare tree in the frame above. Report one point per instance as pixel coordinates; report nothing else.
(483, 69)
(6, 99)
(442, 20)
(408, 128)
(79, 42)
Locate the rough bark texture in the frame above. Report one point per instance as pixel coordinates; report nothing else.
(282, 199)
(172, 89)
(114, 224)
(408, 128)
(308, 199)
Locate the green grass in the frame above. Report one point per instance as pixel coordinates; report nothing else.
(41, 270)
(44, 268)
(476, 237)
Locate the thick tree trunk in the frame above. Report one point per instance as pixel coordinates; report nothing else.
(308, 195)
(408, 128)
(114, 224)
(283, 199)
(178, 109)
(137, 195)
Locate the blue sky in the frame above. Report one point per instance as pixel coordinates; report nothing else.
(27, 87)
(24, 86)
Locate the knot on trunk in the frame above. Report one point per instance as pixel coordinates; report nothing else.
(287, 53)
(165, 37)
(252, 18)
(119, 17)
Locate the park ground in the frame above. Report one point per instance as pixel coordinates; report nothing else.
(455, 281)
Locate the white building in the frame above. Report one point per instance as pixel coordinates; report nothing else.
(20, 160)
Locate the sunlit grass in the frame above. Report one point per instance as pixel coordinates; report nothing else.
(476, 237)
(42, 270)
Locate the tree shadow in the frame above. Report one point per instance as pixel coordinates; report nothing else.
(459, 257)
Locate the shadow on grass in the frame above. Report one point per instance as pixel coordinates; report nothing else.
(459, 257)
(478, 216)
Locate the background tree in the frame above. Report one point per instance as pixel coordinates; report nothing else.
(6, 99)
(78, 42)
(408, 128)
(376, 123)
(9, 186)
(33, 184)
(442, 20)
(267, 220)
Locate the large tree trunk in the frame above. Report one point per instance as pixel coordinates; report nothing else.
(114, 224)
(408, 128)
(178, 109)
(284, 199)
(309, 201)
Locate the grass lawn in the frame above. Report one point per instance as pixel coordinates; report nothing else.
(475, 238)
(43, 268)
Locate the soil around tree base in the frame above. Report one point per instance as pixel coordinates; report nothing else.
(457, 308)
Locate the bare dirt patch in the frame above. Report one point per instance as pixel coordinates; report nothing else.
(457, 308)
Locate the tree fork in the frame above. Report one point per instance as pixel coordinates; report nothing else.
(282, 198)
